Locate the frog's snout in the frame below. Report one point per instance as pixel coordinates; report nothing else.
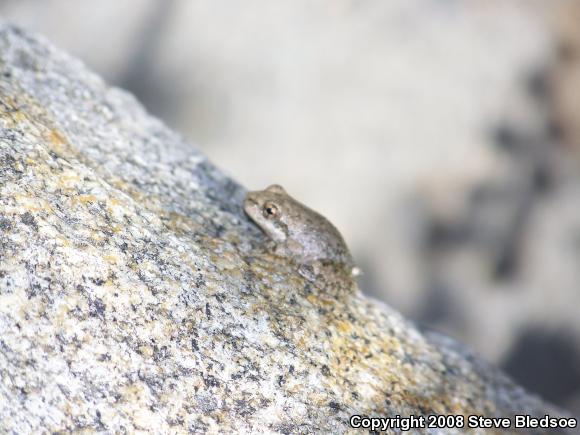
(250, 204)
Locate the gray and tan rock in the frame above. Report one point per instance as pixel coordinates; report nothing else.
(133, 296)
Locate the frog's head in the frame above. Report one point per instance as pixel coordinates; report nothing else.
(266, 209)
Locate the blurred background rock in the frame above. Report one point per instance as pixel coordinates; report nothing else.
(441, 137)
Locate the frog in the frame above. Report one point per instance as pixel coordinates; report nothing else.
(296, 230)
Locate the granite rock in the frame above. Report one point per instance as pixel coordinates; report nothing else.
(135, 296)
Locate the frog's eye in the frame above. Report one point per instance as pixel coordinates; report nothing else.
(270, 210)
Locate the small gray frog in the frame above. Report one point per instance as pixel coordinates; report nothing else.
(296, 230)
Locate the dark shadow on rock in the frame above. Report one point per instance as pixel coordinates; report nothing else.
(547, 363)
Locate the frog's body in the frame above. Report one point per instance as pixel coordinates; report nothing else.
(296, 230)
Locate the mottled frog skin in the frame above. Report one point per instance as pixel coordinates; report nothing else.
(296, 230)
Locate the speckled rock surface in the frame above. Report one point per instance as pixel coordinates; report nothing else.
(134, 295)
